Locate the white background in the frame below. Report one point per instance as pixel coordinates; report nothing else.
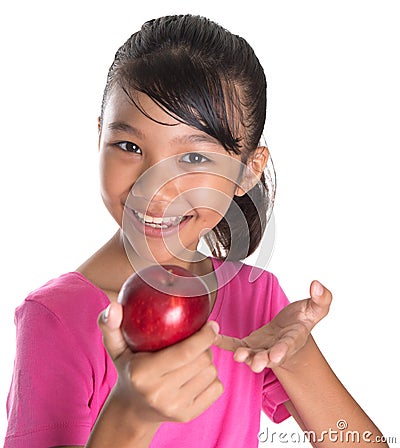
(332, 127)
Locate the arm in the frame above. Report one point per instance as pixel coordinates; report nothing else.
(318, 401)
(321, 404)
(118, 426)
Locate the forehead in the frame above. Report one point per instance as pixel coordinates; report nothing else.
(135, 105)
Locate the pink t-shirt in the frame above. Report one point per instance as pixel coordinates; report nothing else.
(63, 375)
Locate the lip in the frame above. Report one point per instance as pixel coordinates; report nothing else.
(155, 232)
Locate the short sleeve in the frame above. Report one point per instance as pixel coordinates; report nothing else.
(274, 395)
(278, 297)
(48, 402)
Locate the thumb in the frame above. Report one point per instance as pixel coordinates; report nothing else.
(109, 322)
(321, 299)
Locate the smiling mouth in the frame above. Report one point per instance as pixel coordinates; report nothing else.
(160, 222)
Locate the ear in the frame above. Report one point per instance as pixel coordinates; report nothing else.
(99, 130)
(254, 168)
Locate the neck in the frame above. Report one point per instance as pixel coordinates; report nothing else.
(193, 261)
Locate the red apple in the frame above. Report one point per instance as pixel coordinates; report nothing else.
(161, 306)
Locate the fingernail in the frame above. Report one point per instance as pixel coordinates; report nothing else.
(214, 326)
(318, 288)
(106, 313)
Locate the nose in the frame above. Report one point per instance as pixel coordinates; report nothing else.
(158, 183)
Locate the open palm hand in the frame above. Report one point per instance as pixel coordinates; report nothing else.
(275, 343)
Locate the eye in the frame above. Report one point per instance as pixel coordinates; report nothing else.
(129, 147)
(194, 157)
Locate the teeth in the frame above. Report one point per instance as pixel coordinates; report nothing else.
(158, 222)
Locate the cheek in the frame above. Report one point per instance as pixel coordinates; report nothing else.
(213, 193)
(115, 182)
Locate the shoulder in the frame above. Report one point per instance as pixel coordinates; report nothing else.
(61, 293)
(68, 302)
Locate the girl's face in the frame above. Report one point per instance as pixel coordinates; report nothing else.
(164, 182)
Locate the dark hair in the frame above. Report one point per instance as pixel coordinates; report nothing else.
(212, 80)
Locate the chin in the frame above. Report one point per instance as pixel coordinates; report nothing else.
(163, 255)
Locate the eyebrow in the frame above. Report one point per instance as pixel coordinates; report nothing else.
(180, 139)
(125, 127)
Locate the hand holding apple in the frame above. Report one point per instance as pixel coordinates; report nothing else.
(162, 305)
(176, 383)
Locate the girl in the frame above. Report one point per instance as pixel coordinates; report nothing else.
(181, 120)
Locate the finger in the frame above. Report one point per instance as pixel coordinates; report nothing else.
(243, 354)
(229, 343)
(259, 359)
(206, 398)
(321, 299)
(189, 349)
(109, 322)
(277, 354)
(268, 358)
(178, 377)
(199, 382)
